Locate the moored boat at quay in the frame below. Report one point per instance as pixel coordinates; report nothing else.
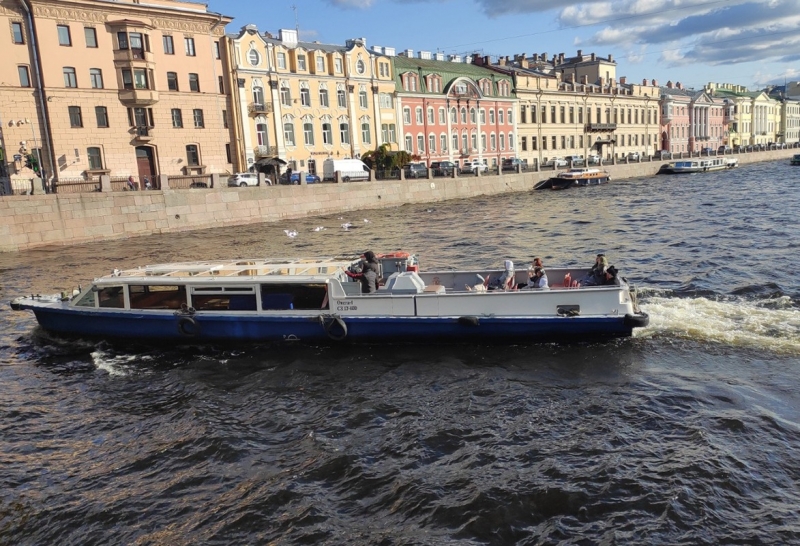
(795, 160)
(700, 165)
(574, 177)
(317, 299)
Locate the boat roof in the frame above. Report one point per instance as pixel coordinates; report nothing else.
(332, 267)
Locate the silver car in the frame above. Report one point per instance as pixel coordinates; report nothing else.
(243, 179)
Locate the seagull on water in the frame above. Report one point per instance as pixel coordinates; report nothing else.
(290, 233)
(366, 221)
(346, 226)
(318, 228)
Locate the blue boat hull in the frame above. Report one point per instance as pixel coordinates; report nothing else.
(201, 327)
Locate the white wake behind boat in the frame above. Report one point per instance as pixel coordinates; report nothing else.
(317, 299)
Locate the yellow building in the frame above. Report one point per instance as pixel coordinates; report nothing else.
(756, 118)
(575, 107)
(121, 88)
(298, 103)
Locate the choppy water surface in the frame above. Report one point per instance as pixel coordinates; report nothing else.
(685, 434)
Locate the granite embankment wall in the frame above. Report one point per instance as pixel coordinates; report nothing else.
(30, 221)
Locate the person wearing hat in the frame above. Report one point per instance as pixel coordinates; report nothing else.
(610, 275)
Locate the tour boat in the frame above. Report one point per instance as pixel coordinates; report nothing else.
(317, 299)
(700, 165)
(795, 160)
(574, 177)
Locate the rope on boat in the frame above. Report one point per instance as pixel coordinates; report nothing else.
(329, 322)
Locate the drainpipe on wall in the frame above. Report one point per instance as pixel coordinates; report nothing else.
(216, 82)
(47, 140)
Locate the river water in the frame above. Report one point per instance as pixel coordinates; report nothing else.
(687, 433)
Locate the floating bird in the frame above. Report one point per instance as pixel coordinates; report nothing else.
(346, 226)
(366, 221)
(290, 233)
(318, 228)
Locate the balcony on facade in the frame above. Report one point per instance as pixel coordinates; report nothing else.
(258, 108)
(138, 97)
(130, 55)
(142, 133)
(600, 127)
(265, 151)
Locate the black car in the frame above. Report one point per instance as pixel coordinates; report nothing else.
(443, 168)
(415, 170)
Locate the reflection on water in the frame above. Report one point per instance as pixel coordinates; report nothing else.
(686, 433)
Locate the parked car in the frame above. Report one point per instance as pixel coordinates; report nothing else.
(511, 164)
(724, 150)
(415, 170)
(242, 180)
(295, 180)
(593, 160)
(634, 156)
(575, 160)
(555, 162)
(664, 154)
(474, 166)
(707, 151)
(443, 168)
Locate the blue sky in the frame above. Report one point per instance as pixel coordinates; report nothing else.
(746, 42)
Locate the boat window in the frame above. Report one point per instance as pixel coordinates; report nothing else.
(276, 296)
(157, 296)
(111, 296)
(88, 300)
(224, 302)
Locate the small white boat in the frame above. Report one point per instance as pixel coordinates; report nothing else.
(318, 300)
(699, 165)
(589, 176)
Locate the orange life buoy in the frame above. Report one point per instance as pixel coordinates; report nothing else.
(395, 255)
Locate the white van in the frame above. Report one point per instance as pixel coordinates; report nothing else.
(349, 169)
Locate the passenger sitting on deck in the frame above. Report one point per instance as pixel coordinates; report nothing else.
(537, 278)
(479, 285)
(610, 276)
(506, 279)
(596, 275)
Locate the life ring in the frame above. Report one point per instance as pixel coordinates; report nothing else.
(188, 327)
(391, 255)
(328, 323)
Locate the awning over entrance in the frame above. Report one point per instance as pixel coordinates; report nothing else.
(274, 161)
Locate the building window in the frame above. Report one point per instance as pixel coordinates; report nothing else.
(386, 100)
(502, 142)
(172, 81)
(320, 64)
(443, 142)
(140, 78)
(216, 50)
(337, 63)
(344, 132)
(221, 83)
(169, 45)
(362, 98)
(127, 79)
(388, 132)
(493, 141)
(524, 144)
(555, 142)
(70, 79)
(261, 134)
(421, 144)
(24, 76)
(463, 115)
(122, 40)
(323, 97)
(281, 60)
(301, 62)
(101, 114)
(253, 57)
(418, 115)
(409, 144)
(432, 143)
(341, 98)
(327, 134)
(75, 118)
(177, 118)
(96, 75)
(17, 34)
(194, 83)
(442, 118)
(308, 134)
(286, 94)
(365, 133)
(305, 96)
(95, 159)
(288, 133)
(224, 119)
(64, 38)
(199, 122)
(407, 115)
(91, 36)
(189, 46)
(534, 143)
(192, 155)
(228, 152)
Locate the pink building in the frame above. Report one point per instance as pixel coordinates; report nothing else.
(691, 121)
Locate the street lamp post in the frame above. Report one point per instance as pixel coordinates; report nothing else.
(647, 125)
(539, 125)
(584, 118)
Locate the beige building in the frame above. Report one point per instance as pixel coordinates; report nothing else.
(121, 88)
(570, 107)
(756, 118)
(300, 103)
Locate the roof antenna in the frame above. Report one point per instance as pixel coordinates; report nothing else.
(296, 26)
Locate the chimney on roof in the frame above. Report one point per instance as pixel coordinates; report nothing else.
(669, 84)
(610, 58)
(425, 55)
(523, 62)
(543, 57)
(502, 61)
(679, 85)
(623, 80)
(438, 56)
(644, 81)
(571, 77)
(654, 83)
(594, 57)
(408, 53)
(288, 36)
(601, 82)
(580, 54)
(585, 79)
(378, 49)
